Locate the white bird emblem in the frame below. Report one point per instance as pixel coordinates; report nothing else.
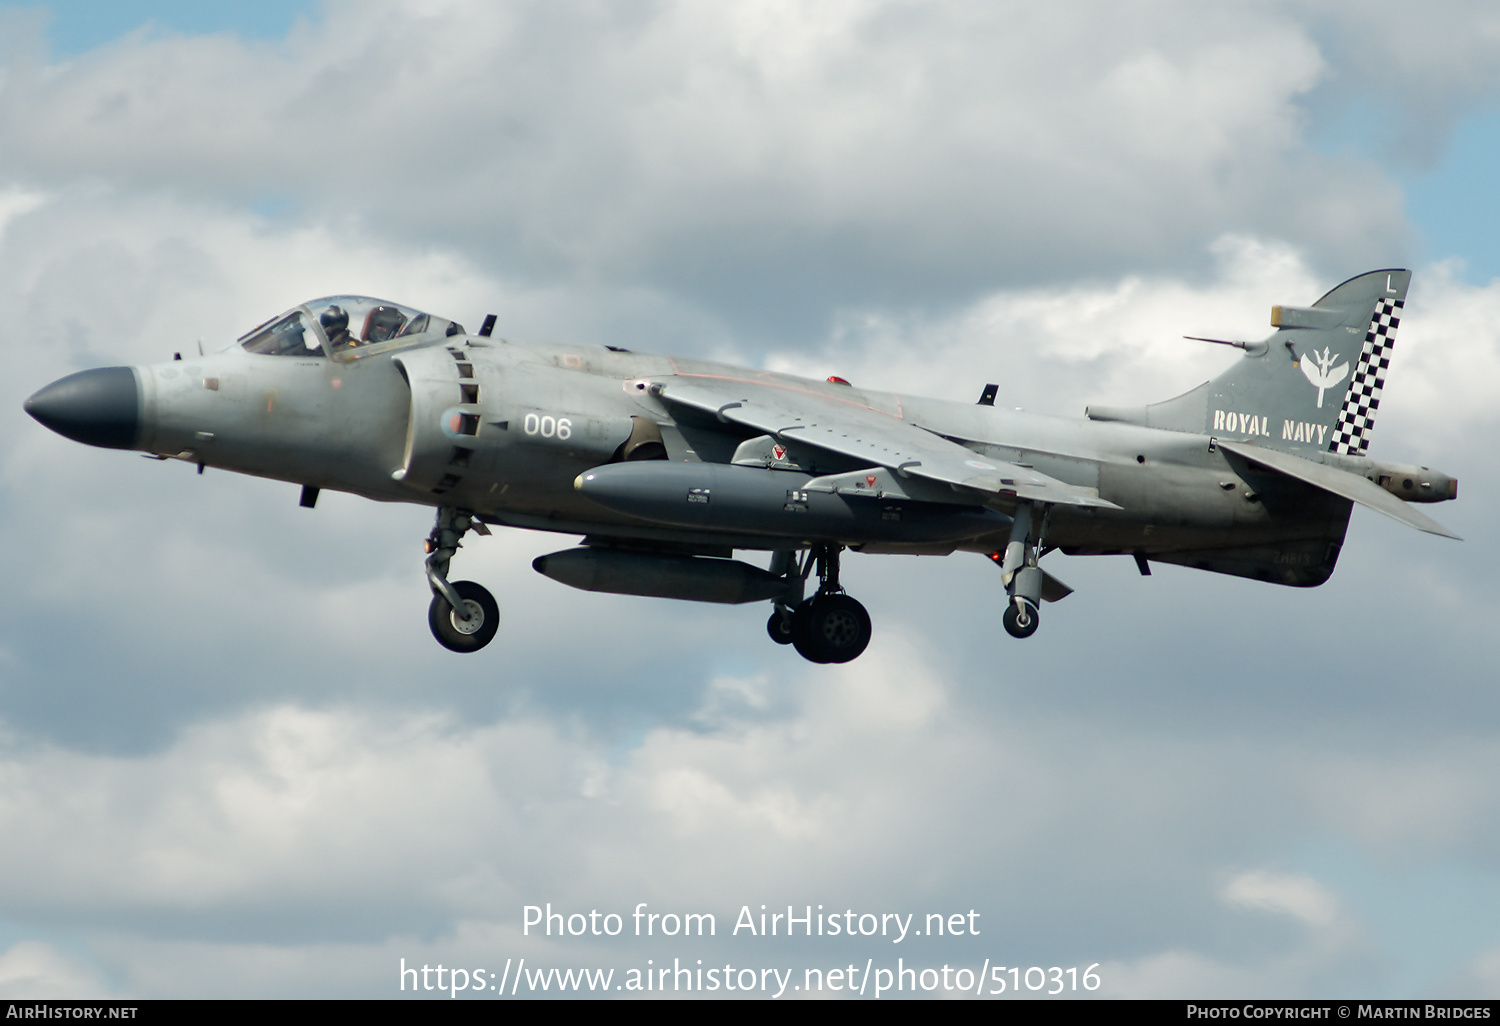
(1321, 376)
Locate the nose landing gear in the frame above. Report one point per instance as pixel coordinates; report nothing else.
(463, 615)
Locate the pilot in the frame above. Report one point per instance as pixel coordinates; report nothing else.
(335, 321)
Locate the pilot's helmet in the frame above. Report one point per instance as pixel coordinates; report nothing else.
(335, 321)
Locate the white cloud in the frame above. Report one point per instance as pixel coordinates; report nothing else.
(1301, 897)
(349, 838)
(16, 202)
(34, 970)
(891, 148)
(1056, 349)
(1443, 387)
(1484, 976)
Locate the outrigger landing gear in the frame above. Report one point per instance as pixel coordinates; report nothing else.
(1023, 578)
(463, 616)
(830, 627)
(779, 626)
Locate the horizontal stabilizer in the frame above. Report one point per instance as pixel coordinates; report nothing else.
(1339, 482)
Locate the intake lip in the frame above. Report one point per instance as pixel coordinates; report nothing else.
(97, 407)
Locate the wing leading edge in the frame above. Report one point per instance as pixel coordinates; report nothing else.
(875, 438)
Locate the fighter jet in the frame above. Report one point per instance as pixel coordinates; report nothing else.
(665, 467)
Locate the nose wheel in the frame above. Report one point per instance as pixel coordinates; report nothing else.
(463, 616)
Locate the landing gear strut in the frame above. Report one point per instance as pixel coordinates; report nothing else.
(1023, 578)
(463, 615)
(830, 627)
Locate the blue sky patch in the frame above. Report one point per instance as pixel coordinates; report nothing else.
(1453, 205)
(1431, 918)
(78, 26)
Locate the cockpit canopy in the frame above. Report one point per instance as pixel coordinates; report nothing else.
(347, 327)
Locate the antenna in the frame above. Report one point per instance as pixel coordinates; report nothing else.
(1252, 348)
(1219, 342)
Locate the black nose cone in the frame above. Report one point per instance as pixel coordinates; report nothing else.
(97, 407)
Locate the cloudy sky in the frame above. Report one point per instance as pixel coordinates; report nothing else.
(234, 763)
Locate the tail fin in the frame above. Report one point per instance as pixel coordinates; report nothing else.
(1314, 385)
(1351, 433)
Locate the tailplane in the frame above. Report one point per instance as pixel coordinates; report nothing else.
(1313, 386)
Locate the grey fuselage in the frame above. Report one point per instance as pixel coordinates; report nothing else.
(504, 430)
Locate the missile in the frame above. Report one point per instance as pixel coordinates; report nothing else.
(779, 503)
(695, 578)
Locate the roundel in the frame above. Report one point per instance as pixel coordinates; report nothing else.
(457, 424)
(979, 465)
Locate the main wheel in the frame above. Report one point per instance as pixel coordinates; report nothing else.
(830, 629)
(777, 628)
(461, 635)
(1021, 618)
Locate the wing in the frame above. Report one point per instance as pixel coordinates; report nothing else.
(877, 439)
(1341, 483)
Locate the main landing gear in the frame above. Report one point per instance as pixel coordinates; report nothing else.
(1023, 578)
(463, 616)
(830, 627)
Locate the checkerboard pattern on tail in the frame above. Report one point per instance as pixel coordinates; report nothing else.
(1351, 435)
